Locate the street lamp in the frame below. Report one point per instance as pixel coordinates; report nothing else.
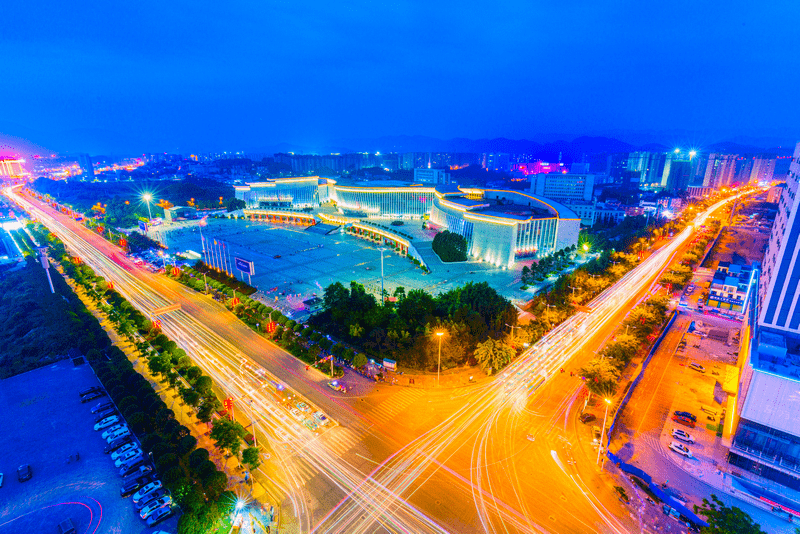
(602, 432)
(147, 197)
(439, 367)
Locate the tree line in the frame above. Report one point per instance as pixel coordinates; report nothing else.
(194, 480)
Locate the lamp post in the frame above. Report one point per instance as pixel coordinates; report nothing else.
(147, 197)
(439, 367)
(602, 432)
(382, 299)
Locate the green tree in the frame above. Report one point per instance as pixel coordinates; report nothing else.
(493, 355)
(228, 434)
(723, 519)
(601, 377)
(450, 246)
(359, 360)
(250, 456)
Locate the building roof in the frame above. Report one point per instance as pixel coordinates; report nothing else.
(773, 401)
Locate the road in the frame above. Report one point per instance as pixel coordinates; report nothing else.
(463, 461)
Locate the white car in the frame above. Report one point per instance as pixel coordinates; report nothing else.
(129, 458)
(113, 429)
(296, 414)
(697, 367)
(107, 422)
(680, 448)
(166, 500)
(118, 434)
(124, 449)
(682, 435)
(303, 407)
(146, 490)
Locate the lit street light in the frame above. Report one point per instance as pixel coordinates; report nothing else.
(439, 367)
(147, 197)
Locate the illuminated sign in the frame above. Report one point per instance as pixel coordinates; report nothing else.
(246, 266)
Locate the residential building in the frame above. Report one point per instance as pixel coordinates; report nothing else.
(497, 162)
(698, 191)
(775, 192)
(764, 429)
(720, 170)
(762, 170)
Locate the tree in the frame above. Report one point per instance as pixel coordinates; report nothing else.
(723, 519)
(493, 355)
(250, 456)
(191, 397)
(601, 377)
(450, 246)
(228, 435)
(359, 360)
(236, 204)
(206, 410)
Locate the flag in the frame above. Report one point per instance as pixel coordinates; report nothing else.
(204, 221)
(215, 242)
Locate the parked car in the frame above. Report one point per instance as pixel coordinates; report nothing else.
(24, 472)
(122, 432)
(117, 443)
(93, 396)
(151, 507)
(101, 407)
(113, 429)
(680, 448)
(139, 472)
(131, 466)
(90, 390)
(303, 407)
(160, 515)
(124, 450)
(697, 367)
(147, 490)
(587, 418)
(66, 527)
(679, 433)
(133, 484)
(688, 415)
(102, 415)
(683, 420)
(107, 422)
(296, 414)
(129, 458)
(150, 497)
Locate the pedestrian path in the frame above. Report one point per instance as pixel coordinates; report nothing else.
(338, 441)
(399, 401)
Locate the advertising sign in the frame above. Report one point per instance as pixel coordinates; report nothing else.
(390, 365)
(143, 226)
(246, 266)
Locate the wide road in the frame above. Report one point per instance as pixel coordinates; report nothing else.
(445, 466)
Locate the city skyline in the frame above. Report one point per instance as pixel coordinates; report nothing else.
(152, 77)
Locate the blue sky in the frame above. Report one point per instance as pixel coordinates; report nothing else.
(176, 75)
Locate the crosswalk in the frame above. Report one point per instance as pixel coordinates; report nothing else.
(395, 404)
(338, 441)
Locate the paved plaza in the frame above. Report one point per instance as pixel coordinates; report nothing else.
(293, 263)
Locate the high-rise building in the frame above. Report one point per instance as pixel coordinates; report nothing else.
(720, 170)
(677, 171)
(763, 170)
(766, 419)
(85, 163)
(497, 162)
(12, 168)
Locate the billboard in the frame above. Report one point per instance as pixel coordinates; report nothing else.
(143, 226)
(246, 266)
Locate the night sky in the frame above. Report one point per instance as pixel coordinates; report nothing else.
(168, 75)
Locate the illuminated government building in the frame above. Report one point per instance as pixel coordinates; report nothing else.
(499, 226)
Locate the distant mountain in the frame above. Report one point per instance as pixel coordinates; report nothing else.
(729, 147)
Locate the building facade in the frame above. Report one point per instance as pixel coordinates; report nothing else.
(766, 426)
(295, 192)
(564, 188)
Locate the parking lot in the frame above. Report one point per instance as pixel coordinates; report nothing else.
(293, 264)
(45, 425)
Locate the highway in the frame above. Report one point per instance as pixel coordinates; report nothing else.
(467, 464)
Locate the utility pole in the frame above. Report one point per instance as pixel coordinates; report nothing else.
(46, 266)
(602, 432)
(382, 299)
(439, 367)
